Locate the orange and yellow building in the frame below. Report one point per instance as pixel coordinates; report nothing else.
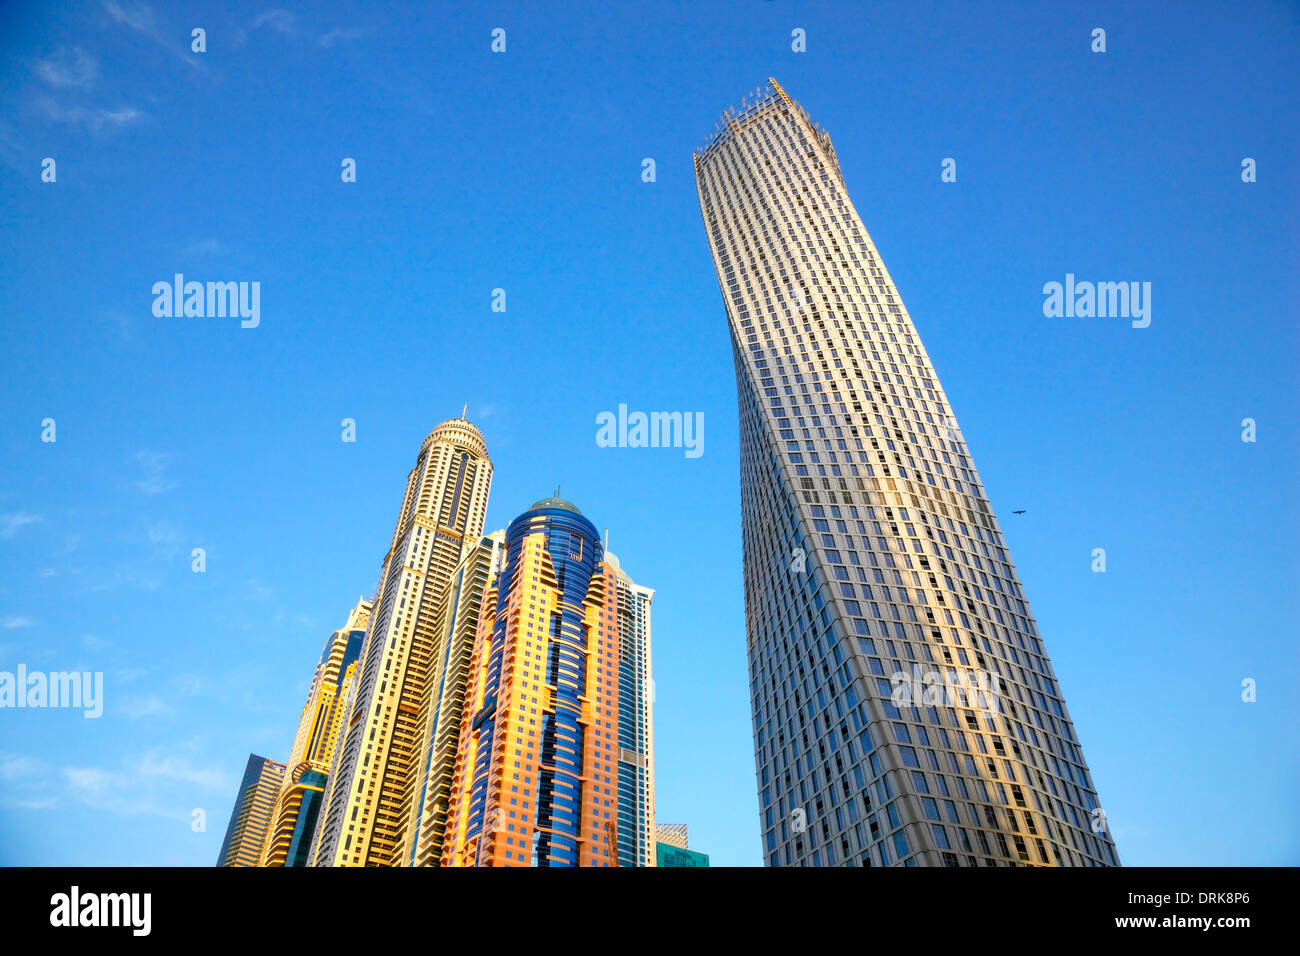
(536, 774)
(298, 804)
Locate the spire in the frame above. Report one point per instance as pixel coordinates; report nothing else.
(464, 411)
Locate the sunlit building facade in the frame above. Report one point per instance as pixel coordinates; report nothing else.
(636, 760)
(444, 698)
(378, 759)
(672, 834)
(298, 806)
(536, 780)
(297, 811)
(250, 820)
(873, 560)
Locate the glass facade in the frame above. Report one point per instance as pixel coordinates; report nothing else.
(376, 777)
(292, 833)
(905, 711)
(443, 707)
(537, 769)
(311, 787)
(635, 723)
(250, 820)
(668, 855)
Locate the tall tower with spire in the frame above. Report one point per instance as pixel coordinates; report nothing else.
(905, 711)
(442, 512)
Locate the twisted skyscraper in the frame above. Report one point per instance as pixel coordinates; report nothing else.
(904, 708)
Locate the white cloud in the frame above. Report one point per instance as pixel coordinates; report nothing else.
(161, 782)
(89, 781)
(26, 783)
(64, 69)
(12, 521)
(139, 17)
(182, 770)
(91, 118)
(281, 21)
(16, 767)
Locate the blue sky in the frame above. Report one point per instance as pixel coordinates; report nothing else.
(522, 171)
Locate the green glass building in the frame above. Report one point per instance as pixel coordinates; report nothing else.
(668, 855)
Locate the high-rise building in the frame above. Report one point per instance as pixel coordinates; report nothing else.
(667, 855)
(250, 820)
(873, 561)
(296, 812)
(442, 511)
(671, 848)
(298, 806)
(444, 698)
(672, 834)
(636, 759)
(536, 779)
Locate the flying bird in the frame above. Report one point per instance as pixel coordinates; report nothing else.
(1020, 512)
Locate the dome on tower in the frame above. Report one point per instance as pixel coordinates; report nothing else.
(560, 503)
(555, 501)
(461, 433)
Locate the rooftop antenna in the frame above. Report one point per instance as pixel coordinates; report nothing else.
(464, 411)
(557, 492)
(607, 541)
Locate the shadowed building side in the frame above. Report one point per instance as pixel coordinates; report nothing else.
(250, 820)
(443, 704)
(871, 551)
